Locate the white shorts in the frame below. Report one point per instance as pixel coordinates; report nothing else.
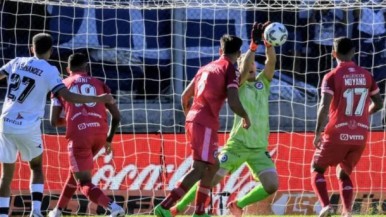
(29, 145)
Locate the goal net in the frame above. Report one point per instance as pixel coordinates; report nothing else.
(148, 50)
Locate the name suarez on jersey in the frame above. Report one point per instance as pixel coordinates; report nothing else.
(354, 79)
(30, 69)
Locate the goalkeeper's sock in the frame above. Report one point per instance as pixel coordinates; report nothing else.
(4, 205)
(70, 188)
(319, 185)
(256, 194)
(94, 194)
(37, 195)
(187, 199)
(346, 193)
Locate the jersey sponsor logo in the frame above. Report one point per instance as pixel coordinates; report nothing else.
(12, 121)
(83, 126)
(223, 158)
(347, 137)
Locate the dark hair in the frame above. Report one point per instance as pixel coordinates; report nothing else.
(343, 45)
(42, 43)
(230, 44)
(77, 61)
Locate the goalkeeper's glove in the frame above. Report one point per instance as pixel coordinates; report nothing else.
(257, 34)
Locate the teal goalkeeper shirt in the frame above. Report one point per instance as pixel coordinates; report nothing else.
(254, 97)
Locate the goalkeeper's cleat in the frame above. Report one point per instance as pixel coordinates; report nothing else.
(325, 212)
(203, 215)
(55, 213)
(116, 210)
(36, 213)
(174, 211)
(347, 214)
(235, 210)
(161, 212)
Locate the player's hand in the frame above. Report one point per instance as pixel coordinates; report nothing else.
(107, 98)
(317, 140)
(108, 148)
(246, 122)
(257, 32)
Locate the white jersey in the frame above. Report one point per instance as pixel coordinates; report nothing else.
(29, 80)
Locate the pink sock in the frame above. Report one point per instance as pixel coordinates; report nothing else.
(69, 189)
(94, 194)
(346, 193)
(201, 197)
(318, 183)
(173, 196)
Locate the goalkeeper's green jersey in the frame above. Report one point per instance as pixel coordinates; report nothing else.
(254, 97)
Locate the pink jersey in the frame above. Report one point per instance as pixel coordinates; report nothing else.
(351, 87)
(211, 83)
(89, 117)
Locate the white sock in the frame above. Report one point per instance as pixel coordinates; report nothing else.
(113, 205)
(38, 188)
(4, 201)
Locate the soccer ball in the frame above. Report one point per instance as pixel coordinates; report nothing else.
(275, 34)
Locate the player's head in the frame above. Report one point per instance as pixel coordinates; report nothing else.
(251, 68)
(230, 45)
(42, 45)
(77, 62)
(343, 49)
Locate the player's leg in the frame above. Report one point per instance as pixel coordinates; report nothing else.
(343, 173)
(7, 171)
(184, 202)
(70, 187)
(31, 147)
(262, 169)
(327, 155)
(81, 164)
(203, 142)
(37, 184)
(8, 154)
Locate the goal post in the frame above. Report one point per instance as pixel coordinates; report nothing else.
(147, 51)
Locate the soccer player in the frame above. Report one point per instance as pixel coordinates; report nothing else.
(212, 84)
(248, 146)
(29, 81)
(349, 96)
(87, 132)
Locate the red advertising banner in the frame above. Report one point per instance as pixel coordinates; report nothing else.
(147, 166)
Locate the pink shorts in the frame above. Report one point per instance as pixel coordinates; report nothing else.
(347, 156)
(82, 149)
(203, 141)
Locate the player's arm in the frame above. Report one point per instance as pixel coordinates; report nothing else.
(187, 96)
(236, 106)
(78, 98)
(322, 116)
(270, 62)
(245, 64)
(376, 103)
(2, 75)
(114, 123)
(115, 120)
(249, 57)
(56, 110)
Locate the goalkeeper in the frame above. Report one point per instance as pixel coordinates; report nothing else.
(248, 145)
